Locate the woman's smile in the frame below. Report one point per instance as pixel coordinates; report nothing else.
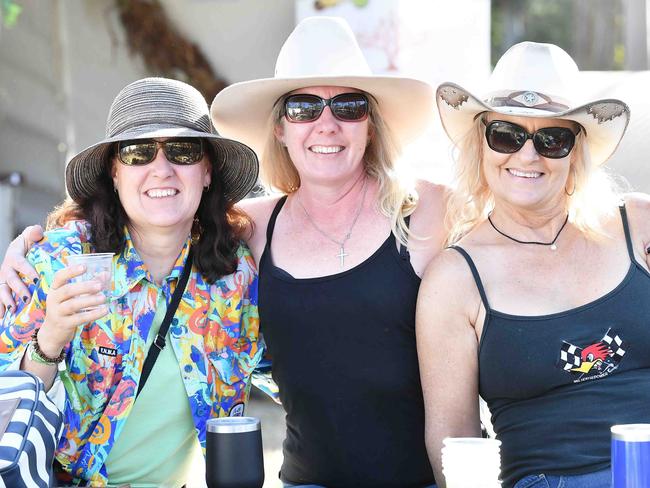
(321, 149)
(162, 192)
(526, 174)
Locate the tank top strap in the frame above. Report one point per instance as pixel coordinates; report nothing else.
(626, 229)
(274, 215)
(403, 249)
(477, 277)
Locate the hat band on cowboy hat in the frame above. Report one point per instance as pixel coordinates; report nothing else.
(155, 108)
(321, 51)
(528, 98)
(535, 80)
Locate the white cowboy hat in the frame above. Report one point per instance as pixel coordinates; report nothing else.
(321, 51)
(535, 80)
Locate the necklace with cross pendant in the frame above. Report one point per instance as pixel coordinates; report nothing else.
(341, 255)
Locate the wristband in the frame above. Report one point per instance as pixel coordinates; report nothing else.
(36, 355)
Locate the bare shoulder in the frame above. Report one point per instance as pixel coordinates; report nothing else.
(432, 199)
(637, 206)
(449, 285)
(259, 210)
(428, 219)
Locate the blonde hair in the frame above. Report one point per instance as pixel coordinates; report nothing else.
(594, 198)
(397, 198)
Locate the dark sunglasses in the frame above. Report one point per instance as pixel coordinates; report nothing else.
(348, 107)
(183, 151)
(550, 142)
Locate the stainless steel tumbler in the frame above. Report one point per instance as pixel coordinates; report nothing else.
(234, 456)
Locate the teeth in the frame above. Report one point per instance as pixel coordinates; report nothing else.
(524, 174)
(156, 193)
(326, 149)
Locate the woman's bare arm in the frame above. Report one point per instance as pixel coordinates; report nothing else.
(448, 353)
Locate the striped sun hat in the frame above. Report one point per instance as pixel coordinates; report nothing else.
(160, 107)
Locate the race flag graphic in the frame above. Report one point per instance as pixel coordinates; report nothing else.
(597, 358)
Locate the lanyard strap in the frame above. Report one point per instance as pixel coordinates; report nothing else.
(159, 342)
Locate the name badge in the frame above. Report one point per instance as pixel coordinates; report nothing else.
(107, 351)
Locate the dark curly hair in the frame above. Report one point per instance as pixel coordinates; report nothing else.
(222, 224)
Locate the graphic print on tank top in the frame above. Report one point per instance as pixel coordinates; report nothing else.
(593, 361)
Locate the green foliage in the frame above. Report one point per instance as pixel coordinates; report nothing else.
(590, 30)
(9, 12)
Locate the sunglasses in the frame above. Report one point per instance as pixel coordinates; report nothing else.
(348, 107)
(183, 151)
(550, 142)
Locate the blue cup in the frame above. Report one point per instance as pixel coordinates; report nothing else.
(631, 456)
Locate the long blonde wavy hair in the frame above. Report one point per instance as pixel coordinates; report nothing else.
(397, 195)
(594, 198)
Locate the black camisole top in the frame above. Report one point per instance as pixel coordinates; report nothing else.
(556, 383)
(344, 358)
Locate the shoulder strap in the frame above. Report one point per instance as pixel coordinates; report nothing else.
(626, 229)
(159, 342)
(477, 277)
(271, 225)
(403, 249)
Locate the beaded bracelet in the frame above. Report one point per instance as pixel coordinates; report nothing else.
(39, 357)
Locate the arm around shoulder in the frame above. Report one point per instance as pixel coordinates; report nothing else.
(259, 210)
(448, 353)
(428, 219)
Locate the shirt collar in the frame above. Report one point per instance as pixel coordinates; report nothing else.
(129, 269)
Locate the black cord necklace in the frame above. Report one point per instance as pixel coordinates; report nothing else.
(552, 243)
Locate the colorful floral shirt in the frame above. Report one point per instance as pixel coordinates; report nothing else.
(214, 335)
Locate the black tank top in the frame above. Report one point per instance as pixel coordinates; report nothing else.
(344, 358)
(556, 383)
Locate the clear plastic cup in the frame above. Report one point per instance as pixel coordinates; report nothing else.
(99, 267)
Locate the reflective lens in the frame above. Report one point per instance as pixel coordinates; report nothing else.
(183, 151)
(550, 142)
(348, 107)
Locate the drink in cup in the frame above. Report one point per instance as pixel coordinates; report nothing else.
(471, 462)
(234, 457)
(631, 456)
(99, 267)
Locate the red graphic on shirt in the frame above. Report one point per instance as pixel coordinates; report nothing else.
(595, 360)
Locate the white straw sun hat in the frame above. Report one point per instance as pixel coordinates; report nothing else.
(535, 80)
(321, 51)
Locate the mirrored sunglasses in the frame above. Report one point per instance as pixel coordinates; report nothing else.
(182, 151)
(348, 107)
(549, 142)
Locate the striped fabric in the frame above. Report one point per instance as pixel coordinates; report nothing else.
(30, 439)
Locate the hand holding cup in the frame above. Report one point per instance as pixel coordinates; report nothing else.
(70, 303)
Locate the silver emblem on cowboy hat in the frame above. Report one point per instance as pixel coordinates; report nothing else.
(321, 51)
(536, 80)
(160, 107)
